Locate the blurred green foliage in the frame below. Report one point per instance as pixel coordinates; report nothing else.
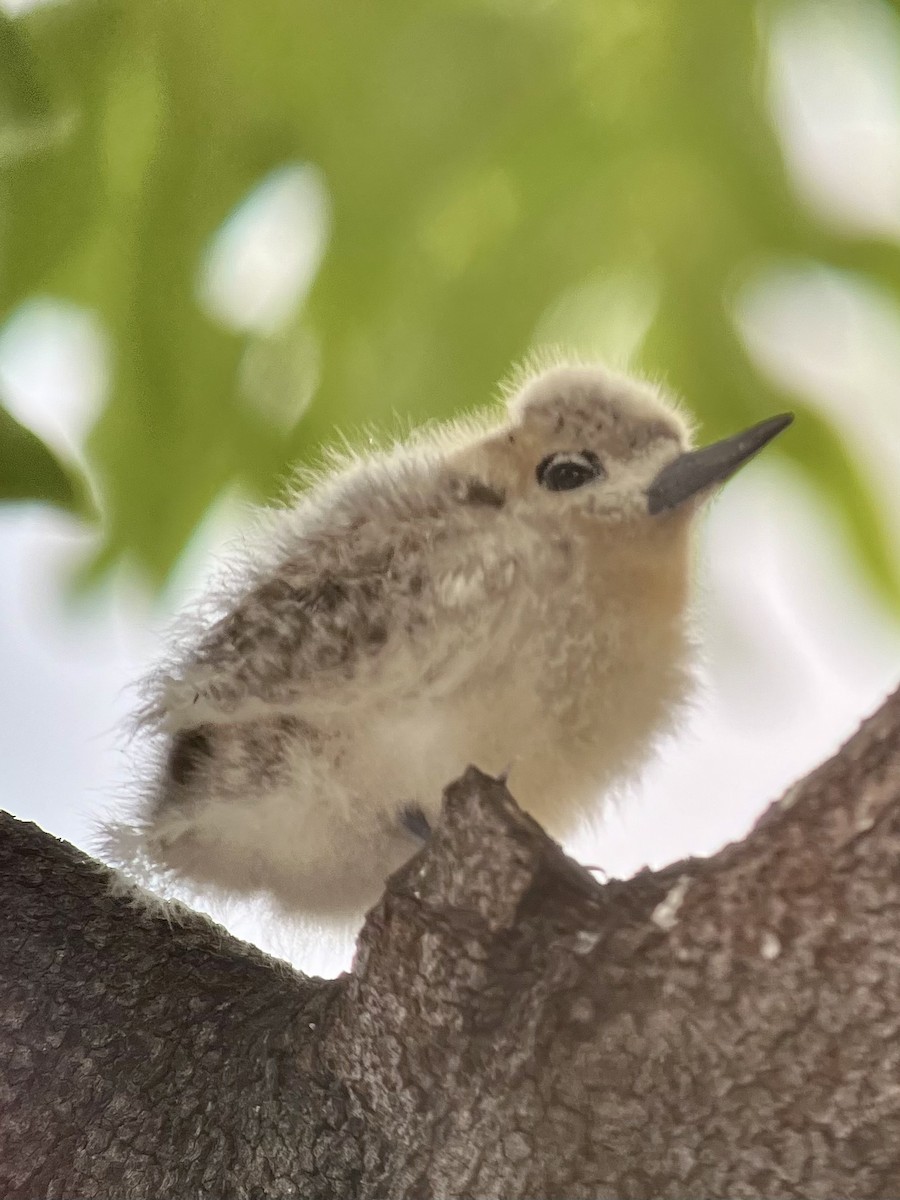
(493, 168)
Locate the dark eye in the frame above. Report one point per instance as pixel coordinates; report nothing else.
(568, 469)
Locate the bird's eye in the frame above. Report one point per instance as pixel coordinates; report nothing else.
(568, 469)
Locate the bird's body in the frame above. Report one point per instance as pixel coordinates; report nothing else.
(496, 594)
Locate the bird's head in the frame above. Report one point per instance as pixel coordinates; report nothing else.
(584, 441)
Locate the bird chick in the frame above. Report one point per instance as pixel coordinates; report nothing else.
(510, 592)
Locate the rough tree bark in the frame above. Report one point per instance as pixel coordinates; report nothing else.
(726, 1027)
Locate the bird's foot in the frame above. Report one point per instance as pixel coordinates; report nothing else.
(413, 819)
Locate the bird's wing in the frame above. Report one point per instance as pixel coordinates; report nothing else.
(400, 625)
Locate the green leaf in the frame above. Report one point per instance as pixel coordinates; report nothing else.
(487, 165)
(30, 471)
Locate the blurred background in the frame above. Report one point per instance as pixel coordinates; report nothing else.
(229, 232)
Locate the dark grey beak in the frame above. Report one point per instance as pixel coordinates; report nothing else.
(698, 470)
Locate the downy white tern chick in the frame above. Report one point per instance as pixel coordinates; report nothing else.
(510, 592)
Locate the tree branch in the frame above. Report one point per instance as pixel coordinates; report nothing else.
(725, 1027)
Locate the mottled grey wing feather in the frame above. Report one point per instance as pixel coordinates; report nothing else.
(288, 640)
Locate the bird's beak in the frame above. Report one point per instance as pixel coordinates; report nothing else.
(698, 470)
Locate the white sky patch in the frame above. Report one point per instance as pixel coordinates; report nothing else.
(65, 677)
(54, 371)
(834, 338)
(261, 263)
(835, 95)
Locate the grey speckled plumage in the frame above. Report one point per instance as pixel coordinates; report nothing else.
(493, 592)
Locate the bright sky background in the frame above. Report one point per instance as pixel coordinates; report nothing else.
(797, 650)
